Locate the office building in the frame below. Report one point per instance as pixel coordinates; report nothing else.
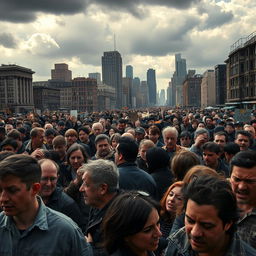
(151, 81)
(208, 90)
(61, 72)
(221, 84)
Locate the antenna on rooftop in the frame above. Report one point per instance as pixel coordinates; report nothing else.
(114, 42)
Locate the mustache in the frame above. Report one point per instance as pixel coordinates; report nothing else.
(242, 192)
(196, 238)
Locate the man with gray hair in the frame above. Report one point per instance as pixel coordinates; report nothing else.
(99, 188)
(201, 136)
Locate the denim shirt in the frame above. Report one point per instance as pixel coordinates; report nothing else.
(52, 234)
(179, 245)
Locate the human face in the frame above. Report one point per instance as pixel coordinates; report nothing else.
(243, 181)
(97, 129)
(76, 159)
(39, 139)
(251, 130)
(153, 136)
(148, 238)
(70, 138)
(61, 149)
(49, 139)
(201, 125)
(185, 142)
(48, 179)
(170, 140)
(111, 132)
(229, 129)
(15, 198)
(243, 142)
(90, 191)
(103, 148)
(173, 200)
(9, 148)
(220, 140)
(206, 231)
(210, 158)
(83, 137)
(114, 143)
(143, 151)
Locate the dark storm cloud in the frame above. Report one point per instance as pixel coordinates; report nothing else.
(160, 42)
(25, 10)
(7, 40)
(216, 16)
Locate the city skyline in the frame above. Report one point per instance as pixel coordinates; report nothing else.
(148, 34)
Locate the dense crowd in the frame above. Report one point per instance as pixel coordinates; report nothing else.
(148, 182)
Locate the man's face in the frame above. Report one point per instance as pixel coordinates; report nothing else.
(49, 139)
(242, 141)
(139, 136)
(170, 140)
(229, 129)
(185, 142)
(210, 158)
(206, 231)
(220, 140)
(70, 138)
(251, 130)
(48, 179)
(97, 129)
(243, 181)
(76, 159)
(15, 198)
(39, 139)
(83, 136)
(61, 149)
(9, 148)
(120, 126)
(153, 136)
(90, 191)
(143, 151)
(103, 148)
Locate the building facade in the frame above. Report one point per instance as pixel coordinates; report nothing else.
(106, 97)
(16, 92)
(61, 72)
(151, 81)
(129, 71)
(241, 73)
(221, 84)
(208, 90)
(112, 74)
(127, 92)
(96, 76)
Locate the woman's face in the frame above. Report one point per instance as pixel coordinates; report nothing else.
(114, 144)
(111, 132)
(148, 238)
(76, 159)
(173, 200)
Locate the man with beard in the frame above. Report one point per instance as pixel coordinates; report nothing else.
(103, 148)
(210, 216)
(243, 181)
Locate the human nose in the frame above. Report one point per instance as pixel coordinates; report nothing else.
(158, 232)
(242, 185)
(196, 231)
(3, 196)
(81, 189)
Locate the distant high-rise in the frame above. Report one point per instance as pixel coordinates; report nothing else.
(208, 89)
(129, 71)
(162, 100)
(179, 77)
(112, 74)
(61, 72)
(96, 76)
(151, 81)
(221, 84)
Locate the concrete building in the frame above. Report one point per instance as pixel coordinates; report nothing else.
(151, 81)
(192, 90)
(112, 74)
(143, 95)
(96, 76)
(127, 92)
(162, 100)
(135, 91)
(84, 94)
(61, 72)
(46, 98)
(16, 92)
(241, 73)
(208, 90)
(221, 84)
(106, 97)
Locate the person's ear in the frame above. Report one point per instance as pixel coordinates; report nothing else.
(36, 188)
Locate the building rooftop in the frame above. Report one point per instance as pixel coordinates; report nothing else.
(243, 41)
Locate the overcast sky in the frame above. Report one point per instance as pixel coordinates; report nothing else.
(37, 34)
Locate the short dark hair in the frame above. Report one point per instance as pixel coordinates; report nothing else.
(221, 133)
(212, 147)
(14, 134)
(10, 142)
(244, 133)
(101, 137)
(245, 159)
(74, 147)
(215, 191)
(84, 129)
(231, 148)
(117, 224)
(50, 131)
(185, 134)
(25, 167)
(128, 148)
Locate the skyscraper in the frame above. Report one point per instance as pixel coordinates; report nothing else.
(61, 72)
(112, 74)
(129, 71)
(221, 84)
(96, 76)
(151, 81)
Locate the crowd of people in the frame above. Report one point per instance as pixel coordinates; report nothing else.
(158, 182)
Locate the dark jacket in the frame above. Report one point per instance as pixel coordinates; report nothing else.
(61, 202)
(124, 251)
(133, 178)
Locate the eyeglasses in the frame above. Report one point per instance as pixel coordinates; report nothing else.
(48, 178)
